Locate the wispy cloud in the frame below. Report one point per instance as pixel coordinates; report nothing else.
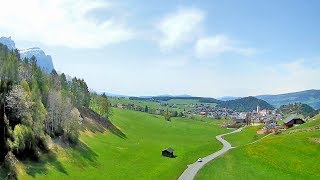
(62, 23)
(179, 27)
(212, 46)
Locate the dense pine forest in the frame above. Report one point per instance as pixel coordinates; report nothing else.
(35, 106)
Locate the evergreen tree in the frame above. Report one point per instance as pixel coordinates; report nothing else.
(167, 115)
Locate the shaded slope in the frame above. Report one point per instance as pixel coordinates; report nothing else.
(95, 123)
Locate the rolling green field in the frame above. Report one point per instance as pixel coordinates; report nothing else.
(247, 135)
(135, 154)
(150, 104)
(180, 104)
(285, 156)
(126, 101)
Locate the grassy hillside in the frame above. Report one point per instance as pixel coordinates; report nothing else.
(310, 97)
(286, 156)
(135, 154)
(247, 135)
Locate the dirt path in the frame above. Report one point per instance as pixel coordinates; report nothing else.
(192, 169)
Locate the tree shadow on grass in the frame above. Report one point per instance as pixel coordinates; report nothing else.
(78, 156)
(83, 156)
(41, 167)
(116, 131)
(95, 123)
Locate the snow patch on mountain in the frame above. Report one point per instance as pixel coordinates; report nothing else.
(8, 42)
(43, 61)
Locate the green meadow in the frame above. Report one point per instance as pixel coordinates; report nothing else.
(284, 156)
(133, 154)
(150, 104)
(246, 136)
(179, 104)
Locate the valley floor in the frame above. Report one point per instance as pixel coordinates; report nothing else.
(135, 153)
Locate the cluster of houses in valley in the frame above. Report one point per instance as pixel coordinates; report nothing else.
(269, 118)
(210, 111)
(132, 106)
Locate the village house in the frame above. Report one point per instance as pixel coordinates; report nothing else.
(270, 123)
(238, 121)
(121, 106)
(263, 112)
(293, 120)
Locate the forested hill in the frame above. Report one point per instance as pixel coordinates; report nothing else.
(168, 98)
(297, 108)
(246, 104)
(310, 97)
(36, 106)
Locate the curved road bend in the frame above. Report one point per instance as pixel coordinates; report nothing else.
(192, 169)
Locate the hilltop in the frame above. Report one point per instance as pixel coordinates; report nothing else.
(310, 97)
(246, 104)
(297, 108)
(44, 61)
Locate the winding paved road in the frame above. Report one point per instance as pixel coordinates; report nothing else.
(192, 169)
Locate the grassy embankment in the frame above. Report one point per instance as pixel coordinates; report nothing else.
(284, 156)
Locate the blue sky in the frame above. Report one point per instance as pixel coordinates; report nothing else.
(203, 48)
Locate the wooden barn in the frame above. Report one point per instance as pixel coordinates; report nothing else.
(237, 121)
(293, 120)
(168, 152)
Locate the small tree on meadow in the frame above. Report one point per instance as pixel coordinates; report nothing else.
(167, 115)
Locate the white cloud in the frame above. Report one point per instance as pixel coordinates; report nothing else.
(179, 27)
(279, 77)
(61, 23)
(213, 46)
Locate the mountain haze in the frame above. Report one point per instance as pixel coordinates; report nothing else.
(310, 97)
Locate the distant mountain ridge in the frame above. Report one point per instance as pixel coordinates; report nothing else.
(243, 104)
(309, 97)
(228, 98)
(8, 42)
(43, 61)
